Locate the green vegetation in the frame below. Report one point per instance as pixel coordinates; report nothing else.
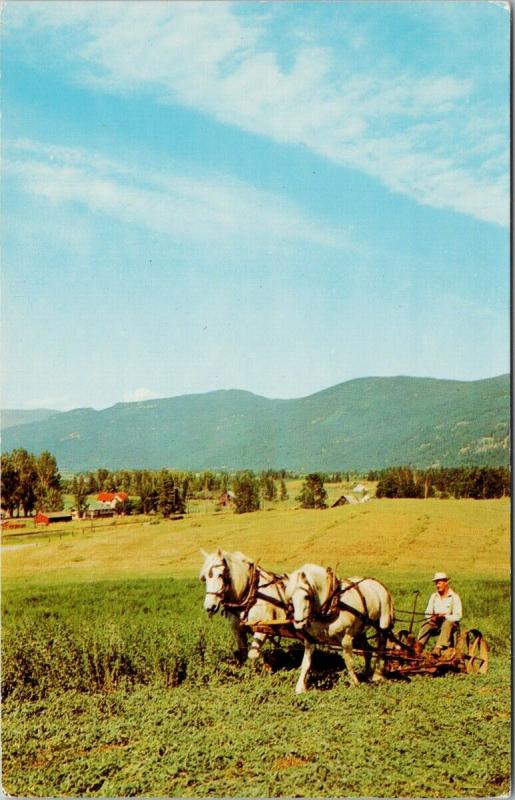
(368, 423)
(480, 483)
(127, 688)
(30, 483)
(313, 494)
(246, 489)
(105, 636)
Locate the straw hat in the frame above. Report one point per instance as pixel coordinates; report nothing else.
(440, 576)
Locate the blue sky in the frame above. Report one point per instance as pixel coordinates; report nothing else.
(275, 197)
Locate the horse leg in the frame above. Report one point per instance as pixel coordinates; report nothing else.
(378, 675)
(347, 657)
(304, 668)
(256, 644)
(240, 637)
(362, 641)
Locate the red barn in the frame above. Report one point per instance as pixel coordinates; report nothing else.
(227, 499)
(47, 517)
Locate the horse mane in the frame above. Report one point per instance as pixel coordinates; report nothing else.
(239, 566)
(312, 574)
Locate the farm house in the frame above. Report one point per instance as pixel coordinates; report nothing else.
(227, 499)
(98, 510)
(345, 499)
(111, 499)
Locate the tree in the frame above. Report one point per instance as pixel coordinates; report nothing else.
(402, 482)
(102, 476)
(125, 480)
(166, 502)
(224, 482)
(9, 485)
(80, 495)
(25, 466)
(210, 481)
(283, 493)
(246, 490)
(54, 500)
(30, 482)
(149, 496)
(91, 483)
(170, 499)
(268, 486)
(313, 494)
(125, 507)
(48, 490)
(184, 492)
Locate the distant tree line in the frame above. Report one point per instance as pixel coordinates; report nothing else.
(31, 483)
(480, 483)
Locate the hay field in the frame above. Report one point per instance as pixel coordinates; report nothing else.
(467, 538)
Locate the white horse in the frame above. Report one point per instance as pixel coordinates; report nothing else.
(330, 611)
(248, 594)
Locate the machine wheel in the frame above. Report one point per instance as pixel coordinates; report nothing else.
(476, 658)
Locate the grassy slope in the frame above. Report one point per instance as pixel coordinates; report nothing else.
(467, 538)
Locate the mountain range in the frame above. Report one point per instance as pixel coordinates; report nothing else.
(362, 424)
(18, 416)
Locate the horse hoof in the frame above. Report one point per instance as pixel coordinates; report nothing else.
(300, 689)
(377, 678)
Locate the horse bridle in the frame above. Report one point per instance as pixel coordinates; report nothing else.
(310, 596)
(247, 600)
(226, 583)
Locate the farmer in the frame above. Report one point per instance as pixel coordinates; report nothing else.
(443, 611)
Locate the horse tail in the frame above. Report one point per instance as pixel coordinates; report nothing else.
(387, 618)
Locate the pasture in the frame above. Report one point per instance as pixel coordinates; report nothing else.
(116, 683)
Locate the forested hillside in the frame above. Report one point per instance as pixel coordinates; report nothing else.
(367, 423)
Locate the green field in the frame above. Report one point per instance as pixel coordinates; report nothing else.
(116, 683)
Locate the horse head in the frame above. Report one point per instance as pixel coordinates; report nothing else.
(226, 576)
(215, 575)
(300, 596)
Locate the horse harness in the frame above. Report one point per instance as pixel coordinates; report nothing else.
(334, 603)
(253, 592)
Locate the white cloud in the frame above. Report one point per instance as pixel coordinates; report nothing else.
(207, 56)
(138, 395)
(172, 203)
